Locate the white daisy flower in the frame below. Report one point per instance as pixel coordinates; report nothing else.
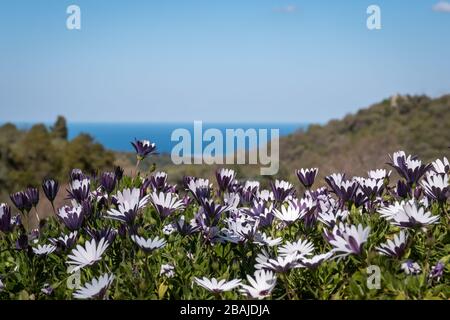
(265, 195)
(261, 259)
(252, 185)
(436, 186)
(261, 285)
(289, 214)
(300, 248)
(330, 218)
(263, 240)
(217, 286)
(166, 203)
(379, 174)
(441, 166)
(316, 260)
(96, 289)
(92, 251)
(396, 247)
(390, 211)
(148, 245)
(411, 267)
(128, 203)
(411, 216)
(168, 229)
(349, 240)
(42, 250)
(167, 270)
(281, 264)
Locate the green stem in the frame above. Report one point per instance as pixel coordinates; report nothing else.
(137, 167)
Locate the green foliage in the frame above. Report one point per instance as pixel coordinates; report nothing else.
(26, 157)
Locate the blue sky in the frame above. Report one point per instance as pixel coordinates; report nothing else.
(211, 60)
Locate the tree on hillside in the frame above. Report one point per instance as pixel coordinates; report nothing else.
(59, 129)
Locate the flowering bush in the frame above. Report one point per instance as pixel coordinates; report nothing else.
(135, 237)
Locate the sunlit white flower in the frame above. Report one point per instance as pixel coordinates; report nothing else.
(42, 250)
(232, 200)
(225, 178)
(441, 166)
(330, 218)
(240, 229)
(396, 247)
(254, 185)
(166, 203)
(148, 244)
(315, 261)
(71, 216)
(129, 201)
(289, 214)
(349, 240)
(167, 270)
(299, 247)
(200, 189)
(261, 285)
(281, 264)
(261, 259)
(282, 190)
(411, 216)
(409, 167)
(168, 229)
(79, 189)
(411, 267)
(390, 211)
(263, 240)
(66, 240)
(379, 174)
(92, 251)
(265, 195)
(372, 187)
(436, 186)
(96, 289)
(217, 286)
(335, 180)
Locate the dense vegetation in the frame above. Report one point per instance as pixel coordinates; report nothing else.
(28, 156)
(416, 124)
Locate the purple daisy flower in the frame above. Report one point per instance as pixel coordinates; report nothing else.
(108, 181)
(21, 201)
(51, 188)
(72, 217)
(307, 176)
(5, 218)
(409, 167)
(143, 148)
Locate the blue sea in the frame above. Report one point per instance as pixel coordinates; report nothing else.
(117, 136)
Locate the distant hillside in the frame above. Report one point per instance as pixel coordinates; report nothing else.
(356, 143)
(361, 141)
